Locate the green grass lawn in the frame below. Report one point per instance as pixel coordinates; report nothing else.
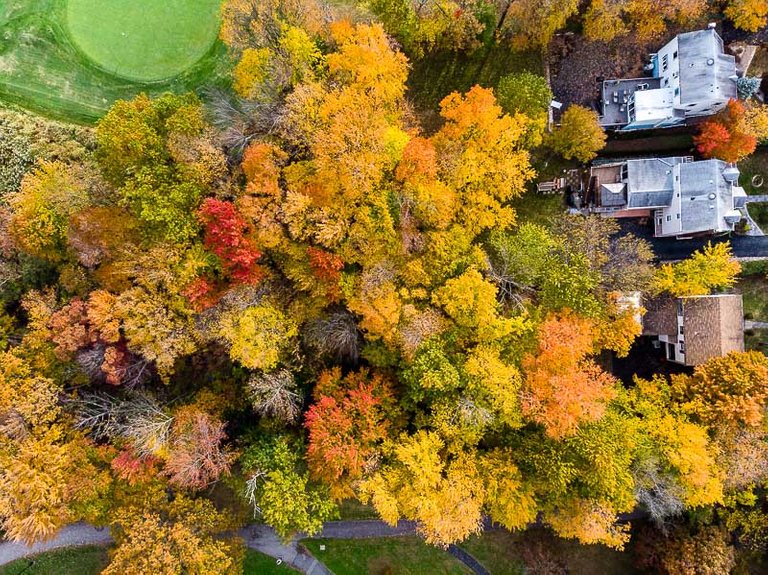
(538, 208)
(135, 40)
(42, 68)
(259, 564)
(503, 553)
(754, 288)
(755, 293)
(494, 551)
(353, 509)
(390, 555)
(432, 78)
(91, 560)
(70, 561)
(756, 164)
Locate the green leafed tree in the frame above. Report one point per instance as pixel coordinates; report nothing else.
(279, 488)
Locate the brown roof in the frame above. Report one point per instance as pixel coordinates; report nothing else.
(714, 326)
(660, 316)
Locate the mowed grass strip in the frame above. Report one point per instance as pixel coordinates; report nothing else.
(87, 560)
(91, 560)
(143, 40)
(387, 555)
(42, 69)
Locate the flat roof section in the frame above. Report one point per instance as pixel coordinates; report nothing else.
(655, 104)
(616, 94)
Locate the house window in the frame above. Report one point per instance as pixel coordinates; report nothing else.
(677, 91)
(682, 331)
(664, 62)
(659, 220)
(669, 218)
(682, 347)
(671, 351)
(679, 307)
(674, 55)
(678, 216)
(666, 81)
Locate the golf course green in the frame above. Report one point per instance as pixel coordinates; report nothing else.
(69, 60)
(143, 40)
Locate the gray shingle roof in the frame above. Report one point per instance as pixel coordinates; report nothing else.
(613, 195)
(651, 182)
(705, 72)
(651, 174)
(699, 181)
(650, 199)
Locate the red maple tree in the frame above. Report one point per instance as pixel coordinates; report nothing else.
(325, 265)
(346, 426)
(226, 236)
(723, 136)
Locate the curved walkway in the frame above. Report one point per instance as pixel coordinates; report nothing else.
(73, 535)
(256, 536)
(468, 560)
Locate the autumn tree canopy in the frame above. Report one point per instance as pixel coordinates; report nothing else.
(724, 136)
(262, 301)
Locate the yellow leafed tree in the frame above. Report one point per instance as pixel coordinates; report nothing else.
(444, 497)
(712, 268)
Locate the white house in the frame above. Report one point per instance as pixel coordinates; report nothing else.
(683, 197)
(692, 76)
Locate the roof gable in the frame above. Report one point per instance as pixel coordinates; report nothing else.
(660, 315)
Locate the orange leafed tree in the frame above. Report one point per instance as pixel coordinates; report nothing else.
(562, 386)
(724, 136)
(346, 427)
(481, 154)
(726, 392)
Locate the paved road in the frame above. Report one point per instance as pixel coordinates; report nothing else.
(743, 247)
(667, 249)
(264, 539)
